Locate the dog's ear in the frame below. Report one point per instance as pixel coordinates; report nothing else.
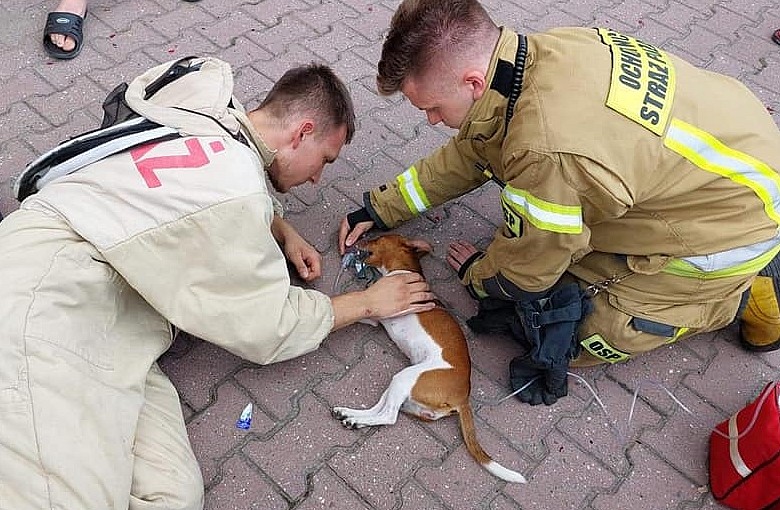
(419, 246)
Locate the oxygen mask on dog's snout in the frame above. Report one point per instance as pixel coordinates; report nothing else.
(353, 261)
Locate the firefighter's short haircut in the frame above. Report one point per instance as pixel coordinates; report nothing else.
(428, 33)
(316, 90)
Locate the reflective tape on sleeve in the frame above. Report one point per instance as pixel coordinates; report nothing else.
(411, 191)
(544, 215)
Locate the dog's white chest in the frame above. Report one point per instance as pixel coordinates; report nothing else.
(409, 335)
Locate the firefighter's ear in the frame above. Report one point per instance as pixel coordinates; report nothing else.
(476, 82)
(304, 128)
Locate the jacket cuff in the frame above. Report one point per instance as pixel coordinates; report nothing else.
(372, 212)
(467, 264)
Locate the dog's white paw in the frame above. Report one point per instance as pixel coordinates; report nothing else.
(347, 417)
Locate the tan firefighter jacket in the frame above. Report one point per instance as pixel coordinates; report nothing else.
(619, 159)
(176, 231)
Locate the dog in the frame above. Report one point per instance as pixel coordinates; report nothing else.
(438, 382)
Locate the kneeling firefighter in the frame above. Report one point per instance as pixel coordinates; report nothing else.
(640, 194)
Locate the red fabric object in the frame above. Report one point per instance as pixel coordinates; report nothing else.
(745, 465)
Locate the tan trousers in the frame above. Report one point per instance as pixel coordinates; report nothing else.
(155, 469)
(609, 335)
(87, 419)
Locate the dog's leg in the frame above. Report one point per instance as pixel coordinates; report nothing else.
(385, 412)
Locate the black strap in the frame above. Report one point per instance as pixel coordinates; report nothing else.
(517, 79)
(510, 88)
(176, 71)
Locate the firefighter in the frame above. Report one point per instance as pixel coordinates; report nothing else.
(99, 264)
(640, 194)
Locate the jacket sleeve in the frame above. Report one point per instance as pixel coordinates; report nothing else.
(219, 274)
(543, 232)
(450, 171)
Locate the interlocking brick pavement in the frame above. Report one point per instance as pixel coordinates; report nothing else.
(296, 455)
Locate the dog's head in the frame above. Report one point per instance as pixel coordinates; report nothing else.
(392, 252)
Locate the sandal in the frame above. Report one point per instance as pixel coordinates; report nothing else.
(776, 36)
(67, 24)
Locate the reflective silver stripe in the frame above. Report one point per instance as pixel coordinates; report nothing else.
(545, 215)
(734, 257)
(710, 154)
(736, 458)
(101, 151)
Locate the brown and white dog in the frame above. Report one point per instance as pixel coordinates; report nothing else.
(438, 383)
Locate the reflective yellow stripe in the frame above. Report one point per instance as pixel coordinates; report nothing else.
(412, 192)
(544, 215)
(680, 332)
(708, 153)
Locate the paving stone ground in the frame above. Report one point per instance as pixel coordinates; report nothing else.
(296, 455)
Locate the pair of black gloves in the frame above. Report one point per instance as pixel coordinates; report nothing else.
(547, 328)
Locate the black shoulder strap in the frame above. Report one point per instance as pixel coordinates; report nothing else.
(517, 79)
(515, 88)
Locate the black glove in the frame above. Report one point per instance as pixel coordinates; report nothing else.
(494, 316)
(549, 330)
(549, 385)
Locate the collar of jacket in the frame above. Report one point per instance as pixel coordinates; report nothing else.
(255, 140)
(494, 101)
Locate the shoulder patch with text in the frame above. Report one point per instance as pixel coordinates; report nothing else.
(642, 83)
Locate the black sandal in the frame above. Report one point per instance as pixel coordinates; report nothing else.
(776, 36)
(67, 24)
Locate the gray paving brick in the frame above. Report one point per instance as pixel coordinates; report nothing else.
(83, 93)
(330, 491)
(569, 476)
(198, 371)
(378, 468)
(278, 387)
(213, 432)
(241, 487)
(641, 489)
(228, 28)
(25, 84)
(672, 441)
(300, 447)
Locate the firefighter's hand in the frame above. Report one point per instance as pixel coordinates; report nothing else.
(398, 294)
(460, 253)
(349, 234)
(305, 257)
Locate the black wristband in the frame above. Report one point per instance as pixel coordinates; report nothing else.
(358, 216)
(467, 264)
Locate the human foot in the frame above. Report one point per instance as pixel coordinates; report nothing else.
(64, 29)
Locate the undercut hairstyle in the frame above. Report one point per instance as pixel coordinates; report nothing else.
(428, 33)
(314, 90)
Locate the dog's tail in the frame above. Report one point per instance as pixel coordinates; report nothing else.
(472, 445)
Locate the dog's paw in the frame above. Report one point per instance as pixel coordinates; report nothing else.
(345, 416)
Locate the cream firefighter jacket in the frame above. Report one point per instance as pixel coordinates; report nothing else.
(620, 158)
(177, 232)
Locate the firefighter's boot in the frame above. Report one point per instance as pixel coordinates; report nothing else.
(759, 326)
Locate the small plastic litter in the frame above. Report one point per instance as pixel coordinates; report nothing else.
(245, 420)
